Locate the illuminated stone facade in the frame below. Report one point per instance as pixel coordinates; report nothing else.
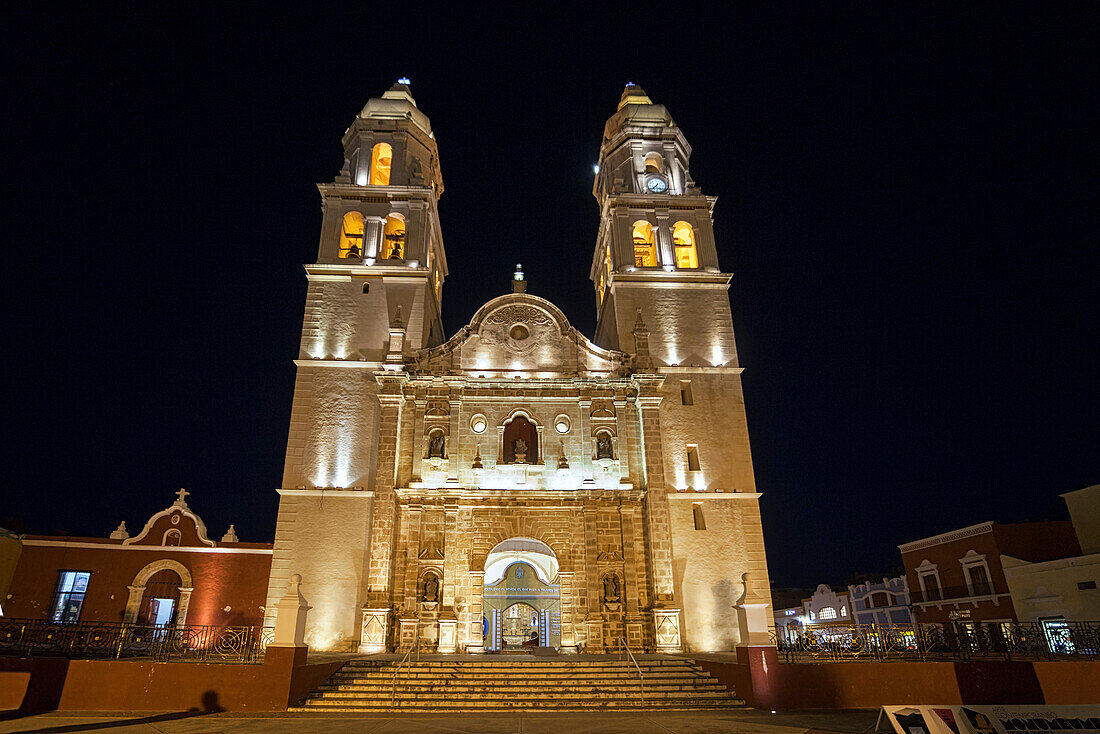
(425, 476)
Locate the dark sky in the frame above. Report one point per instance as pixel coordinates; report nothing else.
(906, 194)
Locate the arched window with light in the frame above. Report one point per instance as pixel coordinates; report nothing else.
(393, 238)
(683, 241)
(351, 236)
(645, 250)
(654, 163)
(380, 159)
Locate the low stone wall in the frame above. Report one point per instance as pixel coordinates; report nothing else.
(769, 684)
(129, 685)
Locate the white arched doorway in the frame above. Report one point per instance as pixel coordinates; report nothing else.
(521, 597)
(177, 614)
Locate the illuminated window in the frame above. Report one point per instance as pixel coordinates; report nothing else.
(683, 239)
(827, 613)
(607, 258)
(393, 238)
(697, 513)
(380, 160)
(844, 610)
(645, 252)
(654, 163)
(685, 393)
(599, 290)
(351, 236)
(68, 597)
(438, 283)
(693, 458)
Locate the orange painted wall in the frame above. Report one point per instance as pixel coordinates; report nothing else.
(1070, 682)
(869, 685)
(128, 685)
(236, 580)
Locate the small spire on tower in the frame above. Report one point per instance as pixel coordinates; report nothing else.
(633, 94)
(519, 283)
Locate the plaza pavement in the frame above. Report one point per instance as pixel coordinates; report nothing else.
(744, 721)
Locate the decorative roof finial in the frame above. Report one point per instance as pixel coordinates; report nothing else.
(519, 283)
(180, 497)
(120, 532)
(230, 535)
(404, 80)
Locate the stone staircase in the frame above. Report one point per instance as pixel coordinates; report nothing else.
(511, 684)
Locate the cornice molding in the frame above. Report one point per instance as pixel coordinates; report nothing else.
(954, 535)
(147, 548)
(327, 492)
(699, 496)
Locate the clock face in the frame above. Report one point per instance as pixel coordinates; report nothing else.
(656, 185)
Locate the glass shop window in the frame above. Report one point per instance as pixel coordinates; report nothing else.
(69, 596)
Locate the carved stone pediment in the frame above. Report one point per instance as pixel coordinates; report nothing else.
(431, 551)
(437, 410)
(602, 410)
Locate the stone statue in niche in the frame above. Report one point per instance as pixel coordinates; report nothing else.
(611, 588)
(520, 450)
(431, 589)
(603, 447)
(437, 446)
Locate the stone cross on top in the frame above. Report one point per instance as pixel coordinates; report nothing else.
(180, 496)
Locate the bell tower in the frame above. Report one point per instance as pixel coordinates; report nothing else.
(381, 249)
(661, 295)
(655, 250)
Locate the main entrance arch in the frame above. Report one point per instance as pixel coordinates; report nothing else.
(521, 597)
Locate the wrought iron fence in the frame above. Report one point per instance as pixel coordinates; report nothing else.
(198, 643)
(949, 641)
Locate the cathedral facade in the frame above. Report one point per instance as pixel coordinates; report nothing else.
(517, 484)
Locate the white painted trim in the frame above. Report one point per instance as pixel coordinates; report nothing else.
(149, 548)
(968, 532)
(358, 493)
(699, 496)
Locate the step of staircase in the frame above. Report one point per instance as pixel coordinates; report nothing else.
(366, 685)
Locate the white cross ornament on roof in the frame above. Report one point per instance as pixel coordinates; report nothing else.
(180, 496)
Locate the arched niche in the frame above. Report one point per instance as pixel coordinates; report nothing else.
(520, 426)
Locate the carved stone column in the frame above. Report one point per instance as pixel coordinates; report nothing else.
(133, 604)
(594, 617)
(477, 587)
(411, 517)
(567, 581)
(372, 236)
(184, 603)
(633, 622)
(379, 591)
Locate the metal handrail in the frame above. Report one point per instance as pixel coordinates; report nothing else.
(641, 678)
(414, 646)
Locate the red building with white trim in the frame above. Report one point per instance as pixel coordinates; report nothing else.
(170, 573)
(958, 576)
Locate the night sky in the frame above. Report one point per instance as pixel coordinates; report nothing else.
(907, 197)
